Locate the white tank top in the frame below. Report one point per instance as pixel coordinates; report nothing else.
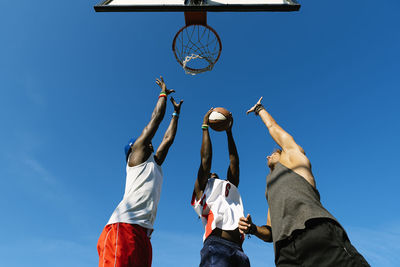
(142, 194)
(220, 206)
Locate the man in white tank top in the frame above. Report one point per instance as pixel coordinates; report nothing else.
(125, 240)
(219, 205)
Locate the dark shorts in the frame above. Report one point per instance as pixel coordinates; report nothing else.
(322, 243)
(219, 252)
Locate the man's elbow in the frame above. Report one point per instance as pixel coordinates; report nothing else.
(267, 236)
(267, 239)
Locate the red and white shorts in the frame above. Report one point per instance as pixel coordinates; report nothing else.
(124, 245)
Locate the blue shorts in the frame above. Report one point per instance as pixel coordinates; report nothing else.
(219, 252)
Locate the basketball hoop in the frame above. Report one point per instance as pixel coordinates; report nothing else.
(196, 46)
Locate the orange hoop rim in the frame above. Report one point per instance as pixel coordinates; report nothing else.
(196, 24)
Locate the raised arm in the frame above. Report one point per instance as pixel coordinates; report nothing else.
(264, 232)
(233, 170)
(206, 157)
(139, 149)
(169, 135)
(281, 137)
(157, 116)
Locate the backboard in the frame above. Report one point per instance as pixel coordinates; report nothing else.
(206, 5)
(197, 46)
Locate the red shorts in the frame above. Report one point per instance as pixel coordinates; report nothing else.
(123, 245)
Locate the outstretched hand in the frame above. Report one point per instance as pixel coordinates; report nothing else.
(245, 224)
(177, 107)
(206, 117)
(160, 82)
(253, 108)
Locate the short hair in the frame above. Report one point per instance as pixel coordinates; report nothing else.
(277, 150)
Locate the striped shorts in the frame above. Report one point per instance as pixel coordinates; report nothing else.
(123, 245)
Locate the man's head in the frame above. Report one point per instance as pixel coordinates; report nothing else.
(273, 159)
(214, 175)
(128, 148)
(150, 147)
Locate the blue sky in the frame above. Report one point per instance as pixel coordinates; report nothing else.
(75, 85)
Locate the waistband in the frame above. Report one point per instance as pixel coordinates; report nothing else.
(147, 231)
(217, 239)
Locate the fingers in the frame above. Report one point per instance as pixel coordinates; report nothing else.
(174, 102)
(243, 225)
(251, 109)
(230, 123)
(249, 220)
(160, 82)
(243, 220)
(254, 107)
(209, 112)
(177, 107)
(205, 120)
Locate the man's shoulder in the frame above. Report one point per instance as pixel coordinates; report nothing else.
(138, 159)
(293, 158)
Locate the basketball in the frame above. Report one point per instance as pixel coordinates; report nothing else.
(219, 119)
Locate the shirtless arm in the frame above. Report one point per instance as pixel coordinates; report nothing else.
(293, 155)
(169, 135)
(206, 157)
(140, 154)
(281, 137)
(233, 170)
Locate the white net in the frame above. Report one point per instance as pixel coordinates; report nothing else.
(196, 71)
(197, 48)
